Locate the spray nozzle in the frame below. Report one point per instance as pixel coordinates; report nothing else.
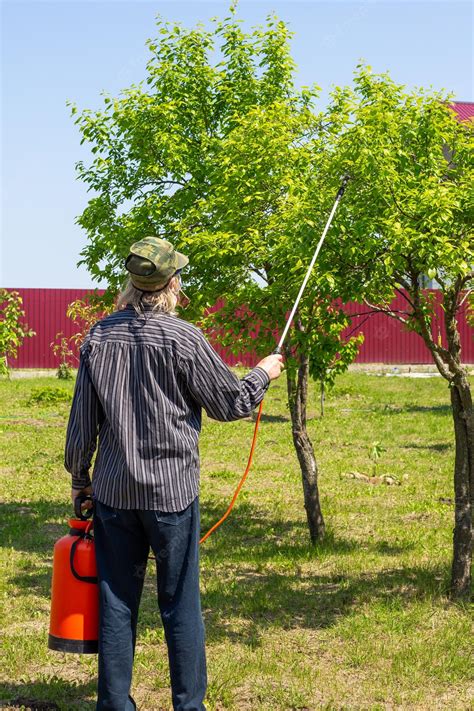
(340, 192)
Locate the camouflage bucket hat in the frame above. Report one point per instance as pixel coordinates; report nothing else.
(152, 262)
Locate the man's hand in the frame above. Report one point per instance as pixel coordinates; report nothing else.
(272, 365)
(87, 491)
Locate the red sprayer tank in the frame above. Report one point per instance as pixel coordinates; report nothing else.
(74, 620)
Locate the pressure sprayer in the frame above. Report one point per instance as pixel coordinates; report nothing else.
(74, 620)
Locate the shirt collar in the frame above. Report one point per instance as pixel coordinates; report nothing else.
(145, 307)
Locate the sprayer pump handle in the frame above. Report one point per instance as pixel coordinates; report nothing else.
(78, 501)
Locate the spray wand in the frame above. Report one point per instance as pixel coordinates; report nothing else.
(278, 350)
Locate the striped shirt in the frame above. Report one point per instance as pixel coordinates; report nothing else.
(141, 384)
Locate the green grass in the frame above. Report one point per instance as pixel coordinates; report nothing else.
(360, 621)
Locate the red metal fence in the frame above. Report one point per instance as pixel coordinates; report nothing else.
(386, 340)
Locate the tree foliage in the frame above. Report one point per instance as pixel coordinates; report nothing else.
(412, 206)
(228, 161)
(13, 330)
(408, 216)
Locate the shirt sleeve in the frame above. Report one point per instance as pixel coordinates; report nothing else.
(217, 389)
(84, 422)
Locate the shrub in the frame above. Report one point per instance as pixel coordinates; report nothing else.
(49, 395)
(83, 313)
(12, 330)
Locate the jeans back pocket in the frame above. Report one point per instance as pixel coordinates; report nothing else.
(103, 512)
(173, 518)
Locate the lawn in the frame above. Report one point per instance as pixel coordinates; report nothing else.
(360, 621)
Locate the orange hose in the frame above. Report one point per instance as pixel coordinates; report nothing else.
(241, 482)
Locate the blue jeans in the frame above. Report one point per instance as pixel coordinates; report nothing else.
(122, 542)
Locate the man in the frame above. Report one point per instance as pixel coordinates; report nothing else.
(144, 376)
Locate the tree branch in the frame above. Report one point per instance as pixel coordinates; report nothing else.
(390, 312)
(467, 278)
(399, 291)
(442, 357)
(466, 296)
(376, 309)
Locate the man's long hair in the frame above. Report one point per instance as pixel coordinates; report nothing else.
(163, 301)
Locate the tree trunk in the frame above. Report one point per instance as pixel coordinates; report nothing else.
(448, 362)
(461, 402)
(297, 384)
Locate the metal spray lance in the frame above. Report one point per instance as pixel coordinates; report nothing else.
(339, 195)
(277, 350)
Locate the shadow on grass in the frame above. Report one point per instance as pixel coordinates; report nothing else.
(49, 695)
(293, 598)
(388, 549)
(266, 417)
(385, 409)
(270, 600)
(438, 447)
(274, 418)
(433, 409)
(32, 526)
(243, 594)
(250, 535)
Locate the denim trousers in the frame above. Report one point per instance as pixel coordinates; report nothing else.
(123, 538)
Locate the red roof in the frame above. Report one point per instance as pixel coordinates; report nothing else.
(464, 110)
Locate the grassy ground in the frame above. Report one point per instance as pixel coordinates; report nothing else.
(358, 622)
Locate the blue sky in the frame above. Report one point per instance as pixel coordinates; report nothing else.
(54, 51)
